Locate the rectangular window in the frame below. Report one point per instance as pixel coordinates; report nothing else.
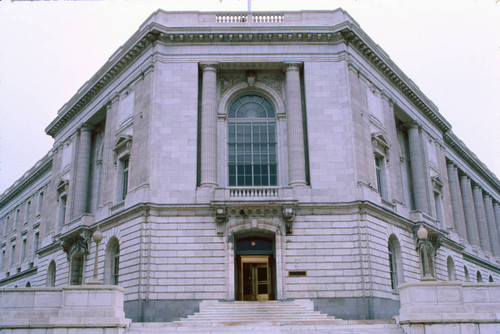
(124, 178)
(439, 208)
(23, 251)
(380, 175)
(40, 203)
(12, 254)
(28, 212)
(17, 216)
(2, 260)
(36, 240)
(6, 227)
(62, 211)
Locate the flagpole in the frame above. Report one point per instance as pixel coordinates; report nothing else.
(249, 2)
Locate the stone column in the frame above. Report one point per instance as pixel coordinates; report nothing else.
(295, 134)
(82, 171)
(482, 226)
(209, 126)
(469, 211)
(492, 227)
(417, 168)
(496, 209)
(456, 202)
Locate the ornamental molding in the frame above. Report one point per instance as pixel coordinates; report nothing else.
(394, 75)
(43, 166)
(229, 80)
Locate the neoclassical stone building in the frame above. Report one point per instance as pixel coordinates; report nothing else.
(251, 156)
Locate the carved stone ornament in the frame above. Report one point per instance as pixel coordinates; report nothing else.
(288, 216)
(273, 80)
(77, 242)
(229, 80)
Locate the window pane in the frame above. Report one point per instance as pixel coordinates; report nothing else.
(232, 153)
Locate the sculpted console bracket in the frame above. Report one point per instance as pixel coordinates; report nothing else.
(76, 242)
(288, 216)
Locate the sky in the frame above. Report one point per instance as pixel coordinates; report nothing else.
(49, 49)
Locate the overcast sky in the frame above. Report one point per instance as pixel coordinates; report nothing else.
(49, 49)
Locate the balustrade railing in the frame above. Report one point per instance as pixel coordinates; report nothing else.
(253, 192)
(256, 18)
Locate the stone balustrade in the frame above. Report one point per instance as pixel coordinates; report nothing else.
(450, 307)
(98, 308)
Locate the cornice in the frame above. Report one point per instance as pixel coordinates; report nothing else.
(154, 32)
(354, 37)
(459, 147)
(118, 62)
(480, 262)
(43, 166)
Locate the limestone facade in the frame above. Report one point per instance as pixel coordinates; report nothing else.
(207, 134)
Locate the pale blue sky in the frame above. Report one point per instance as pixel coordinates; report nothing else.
(449, 48)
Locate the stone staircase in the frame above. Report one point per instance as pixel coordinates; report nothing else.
(264, 317)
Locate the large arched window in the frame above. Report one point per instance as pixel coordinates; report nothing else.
(466, 272)
(395, 262)
(76, 277)
(51, 274)
(451, 269)
(252, 156)
(112, 262)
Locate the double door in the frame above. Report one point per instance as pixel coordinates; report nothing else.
(255, 278)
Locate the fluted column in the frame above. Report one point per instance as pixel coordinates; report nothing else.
(417, 168)
(469, 211)
(208, 175)
(295, 134)
(484, 239)
(82, 171)
(492, 227)
(496, 209)
(456, 202)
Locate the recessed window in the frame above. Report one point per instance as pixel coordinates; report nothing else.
(252, 156)
(124, 162)
(77, 269)
(62, 212)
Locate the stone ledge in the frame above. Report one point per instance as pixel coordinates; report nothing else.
(449, 302)
(97, 306)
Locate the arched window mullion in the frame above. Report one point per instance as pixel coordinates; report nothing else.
(250, 150)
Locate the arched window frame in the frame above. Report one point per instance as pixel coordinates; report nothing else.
(51, 274)
(252, 142)
(275, 99)
(466, 273)
(112, 262)
(450, 264)
(77, 266)
(395, 262)
(479, 276)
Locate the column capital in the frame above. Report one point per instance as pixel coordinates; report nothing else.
(412, 124)
(85, 127)
(211, 66)
(292, 66)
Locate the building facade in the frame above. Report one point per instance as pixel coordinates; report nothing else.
(251, 156)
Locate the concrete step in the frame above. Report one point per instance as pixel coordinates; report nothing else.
(157, 328)
(264, 317)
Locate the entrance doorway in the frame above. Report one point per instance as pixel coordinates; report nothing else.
(255, 269)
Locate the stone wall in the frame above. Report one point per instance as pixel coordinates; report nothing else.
(450, 307)
(97, 308)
